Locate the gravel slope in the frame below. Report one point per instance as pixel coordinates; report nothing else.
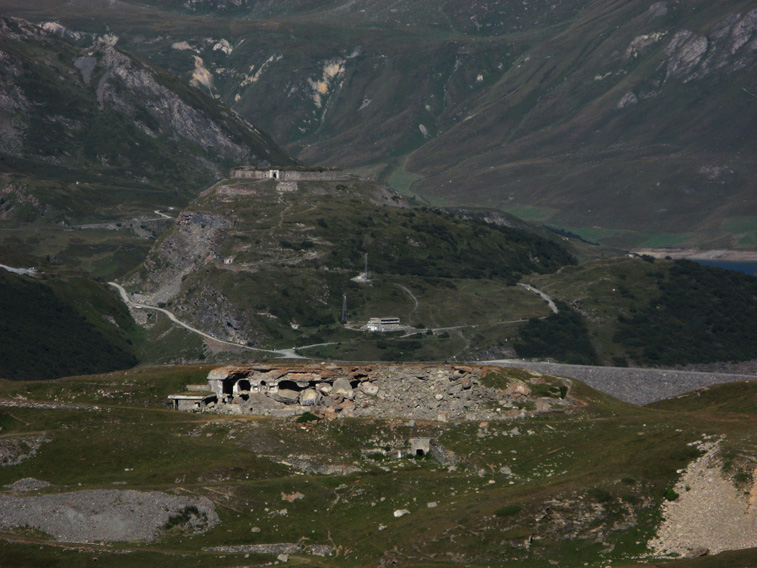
(633, 385)
(710, 514)
(102, 515)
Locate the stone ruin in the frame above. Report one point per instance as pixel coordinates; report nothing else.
(289, 174)
(406, 391)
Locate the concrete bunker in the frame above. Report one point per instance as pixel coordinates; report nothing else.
(190, 402)
(282, 391)
(420, 447)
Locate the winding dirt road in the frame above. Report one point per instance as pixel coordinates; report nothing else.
(281, 353)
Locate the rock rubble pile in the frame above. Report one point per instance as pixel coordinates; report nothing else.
(418, 392)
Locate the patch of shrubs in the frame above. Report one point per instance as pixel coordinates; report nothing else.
(508, 511)
(703, 315)
(563, 336)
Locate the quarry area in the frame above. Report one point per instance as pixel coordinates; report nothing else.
(416, 392)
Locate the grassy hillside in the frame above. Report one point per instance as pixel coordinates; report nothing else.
(269, 268)
(660, 313)
(628, 123)
(702, 315)
(60, 323)
(265, 267)
(584, 487)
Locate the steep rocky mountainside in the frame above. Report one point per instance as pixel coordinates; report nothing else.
(629, 122)
(84, 129)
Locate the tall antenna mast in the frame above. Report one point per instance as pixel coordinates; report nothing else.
(344, 308)
(366, 266)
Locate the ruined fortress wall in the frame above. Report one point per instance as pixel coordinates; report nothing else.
(241, 173)
(288, 175)
(327, 175)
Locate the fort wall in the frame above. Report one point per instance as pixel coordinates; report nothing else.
(298, 174)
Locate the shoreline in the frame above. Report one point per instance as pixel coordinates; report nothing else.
(724, 255)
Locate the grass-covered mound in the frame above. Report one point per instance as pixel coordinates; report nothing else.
(642, 311)
(563, 336)
(703, 314)
(272, 268)
(59, 327)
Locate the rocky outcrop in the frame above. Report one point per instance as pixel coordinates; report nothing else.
(129, 87)
(103, 515)
(731, 45)
(184, 249)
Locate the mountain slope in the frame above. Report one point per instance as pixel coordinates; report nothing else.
(83, 129)
(647, 125)
(630, 122)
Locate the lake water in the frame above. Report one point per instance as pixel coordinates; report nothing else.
(749, 267)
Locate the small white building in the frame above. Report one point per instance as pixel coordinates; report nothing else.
(383, 324)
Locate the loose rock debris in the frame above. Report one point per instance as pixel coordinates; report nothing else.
(711, 513)
(101, 515)
(13, 451)
(410, 391)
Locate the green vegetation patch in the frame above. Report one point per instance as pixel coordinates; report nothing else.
(665, 240)
(508, 511)
(703, 314)
(533, 214)
(401, 180)
(46, 335)
(744, 228)
(563, 336)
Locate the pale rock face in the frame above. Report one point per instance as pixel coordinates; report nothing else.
(686, 50)
(286, 396)
(640, 43)
(710, 512)
(518, 388)
(628, 99)
(181, 46)
(658, 9)
(342, 386)
(730, 46)
(309, 397)
(370, 389)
